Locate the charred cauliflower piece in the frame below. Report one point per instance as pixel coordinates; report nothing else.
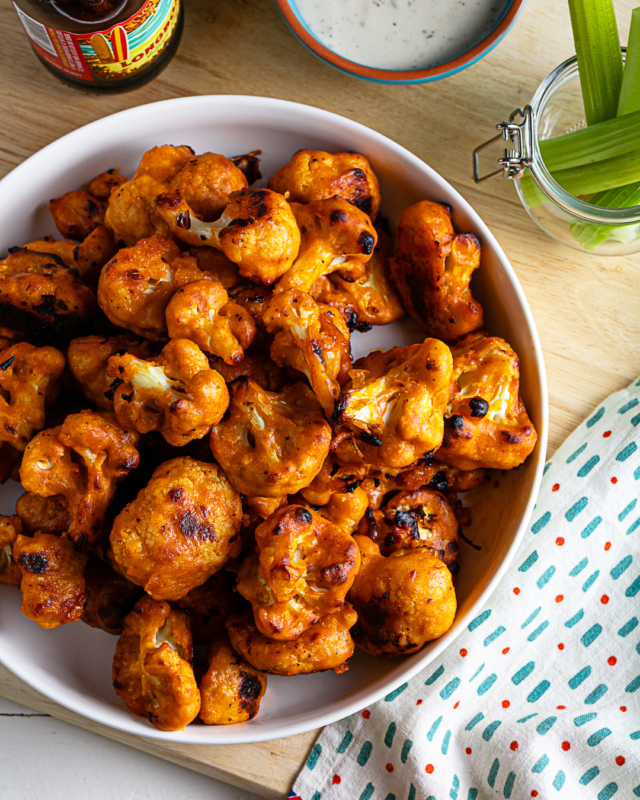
(302, 571)
(403, 601)
(432, 269)
(152, 670)
(110, 597)
(177, 394)
(271, 444)
(88, 358)
(325, 645)
(201, 311)
(136, 285)
(42, 296)
(103, 184)
(231, 689)
(52, 586)
(131, 213)
(257, 231)
(83, 459)
(432, 474)
(313, 339)
(333, 477)
(86, 258)
(10, 529)
(44, 514)
(76, 214)
(317, 175)
(256, 365)
(486, 423)
(206, 181)
(395, 403)
(29, 383)
(335, 236)
(182, 527)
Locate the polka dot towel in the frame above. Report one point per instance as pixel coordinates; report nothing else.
(540, 695)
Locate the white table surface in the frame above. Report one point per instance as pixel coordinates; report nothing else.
(43, 758)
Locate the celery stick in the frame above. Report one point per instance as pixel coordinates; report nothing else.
(597, 41)
(604, 140)
(590, 236)
(630, 91)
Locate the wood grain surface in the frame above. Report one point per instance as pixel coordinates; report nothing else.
(586, 308)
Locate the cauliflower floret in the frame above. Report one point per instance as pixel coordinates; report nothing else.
(44, 514)
(317, 175)
(10, 529)
(312, 338)
(335, 236)
(76, 214)
(403, 601)
(87, 258)
(136, 285)
(88, 358)
(395, 403)
(486, 423)
(432, 474)
(206, 181)
(231, 689)
(177, 394)
(103, 184)
(110, 597)
(152, 670)
(256, 365)
(325, 645)
(52, 586)
(182, 527)
(41, 296)
(271, 444)
(201, 311)
(83, 459)
(257, 231)
(29, 383)
(432, 269)
(304, 567)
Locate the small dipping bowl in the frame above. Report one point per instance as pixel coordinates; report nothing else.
(426, 74)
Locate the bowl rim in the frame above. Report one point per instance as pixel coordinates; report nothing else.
(306, 721)
(434, 72)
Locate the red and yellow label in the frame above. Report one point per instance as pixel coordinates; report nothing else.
(114, 53)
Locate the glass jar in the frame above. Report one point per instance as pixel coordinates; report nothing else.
(103, 45)
(557, 108)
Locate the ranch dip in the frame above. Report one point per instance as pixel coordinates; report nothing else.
(400, 34)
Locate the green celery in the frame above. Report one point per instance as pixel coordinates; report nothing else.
(597, 41)
(590, 236)
(600, 176)
(630, 91)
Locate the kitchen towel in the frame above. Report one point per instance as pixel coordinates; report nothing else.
(540, 695)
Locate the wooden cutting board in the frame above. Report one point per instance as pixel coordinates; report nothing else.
(586, 308)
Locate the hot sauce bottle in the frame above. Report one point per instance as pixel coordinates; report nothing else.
(103, 45)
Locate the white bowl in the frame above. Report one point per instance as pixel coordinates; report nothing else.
(72, 665)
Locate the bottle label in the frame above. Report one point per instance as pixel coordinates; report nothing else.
(117, 52)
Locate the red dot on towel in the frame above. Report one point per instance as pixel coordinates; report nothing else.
(559, 598)
(456, 705)
(336, 779)
(555, 487)
(560, 646)
(560, 541)
(505, 704)
(620, 760)
(606, 434)
(566, 746)
(560, 708)
(614, 480)
(516, 590)
(463, 652)
(514, 745)
(607, 545)
(612, 661)
(505, 651)
(604, 599)
(366, 713)
(389, 767)
(534, 793)
(418, 702)
(429, 768)
(623, 708)
(468, 751)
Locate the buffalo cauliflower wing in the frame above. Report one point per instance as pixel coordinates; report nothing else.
(86, 258)
(110, 597)
(317, 175)
(432, 269)
(486, 423)
(136, 285)
(88, 358)
(335, 236)
(76, 214)
(177, 393)
(206, 181)
(52, 585)
(10, 529)
(29, 383)
(42, 296)
(395, 403)
(103, 184)
(256, 365)
(325, 645)
(231, 689)
(83, 459)
(152, 670)
(44, 514)
(271, 444)
(403, 601)
(304, 567)
(257, 231)
(201, 311)
(182, 527)
(313, 339)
